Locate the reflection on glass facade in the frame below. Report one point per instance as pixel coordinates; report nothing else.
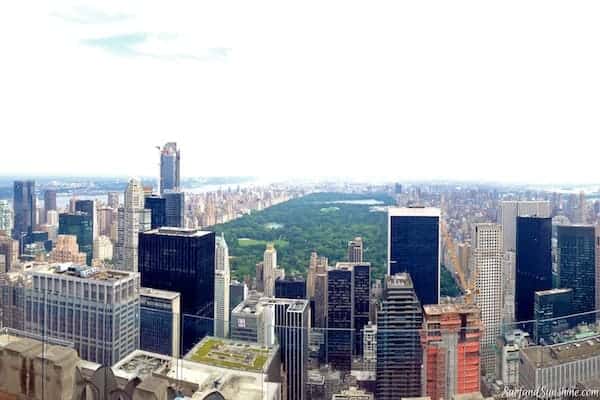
(533, 263)
(23, 207)
(158, 211)
(414, 247)
(81, 225)
(182, 260)
(340, 319)
(577, 266)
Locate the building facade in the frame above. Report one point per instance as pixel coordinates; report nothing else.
(414, 247)
(340, 318)
(132, 219)
(510, 210)
(183, 261)
(160, 321)
(549, 307)
(487, 261)
(577, 267)
(290, 288)
(66, 249)
(355, 250)
(451, 350)
(80, 225)
(6, 218)
(533, 264)
(399, 352)
(23, 208)
(158, 211)
(174, 209)
(169, 167)
(222, 284)
(96, 309)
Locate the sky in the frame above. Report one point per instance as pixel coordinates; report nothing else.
(462, 90)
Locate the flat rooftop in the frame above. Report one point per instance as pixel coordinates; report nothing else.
(161, 294)
(414, 212)
(548, 356)
(231, 354)
(81, 272)
(142, 363)
(438, 309)
(172, 231)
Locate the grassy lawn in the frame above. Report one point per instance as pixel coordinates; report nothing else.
(247, 242)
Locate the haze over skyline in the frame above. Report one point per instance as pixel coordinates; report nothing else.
(480, 91)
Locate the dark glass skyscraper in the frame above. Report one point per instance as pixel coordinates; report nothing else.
(79, 224)
(399, 352)
(174, 208)
(24, 208)
(577, 266)
(169, 167)
(533, 263)
(290, 288)
(88, 207)
(182, 260)
(362, 301)
(158, 211)
(340, 318)
(414, 247)
(549, 306)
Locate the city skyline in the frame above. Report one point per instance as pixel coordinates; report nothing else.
(208, 78)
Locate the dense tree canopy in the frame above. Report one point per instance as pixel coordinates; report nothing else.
(321, 222)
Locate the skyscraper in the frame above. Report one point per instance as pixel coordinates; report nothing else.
(78, 224)
(414, 247)
(269, 266)
(24, 208)
(238, 291)
(9, 249)
(158, 211)
(182, 260)
(222, 282)
(533, 263)
(340, 318)
(370, 347)
(451, 357)
(169, 167)
(96, 309)
(6, 218)
(174, 209)
(292, 320)
(399, 352)
(133, 219)
(549, 306)
(510, 210)
(577, 266)
(66, 249)
(89, 207)
(488, 265)
(293, 287)
(355, 250)
(49, 200)
(113, 200)
(160, 321)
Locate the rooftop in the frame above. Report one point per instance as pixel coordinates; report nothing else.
(162, 294)
(414, 212)
(81, 272)
(231, 354)
(548, 356)
(437, 309)
(173, 231)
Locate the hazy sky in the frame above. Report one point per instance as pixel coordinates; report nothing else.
(504, 90)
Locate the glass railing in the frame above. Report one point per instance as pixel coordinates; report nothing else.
(86, 347)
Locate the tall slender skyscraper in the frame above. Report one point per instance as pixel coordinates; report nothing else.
(133, 219)
(182, 260)
(533, 264)
(269, 266)
(169, 168)
(488, 265)
(355, 250)
(577, 266)
(399, 352)
(340, 318)
(414, 247)
(222, 282)
(510, 210)
(24, 208)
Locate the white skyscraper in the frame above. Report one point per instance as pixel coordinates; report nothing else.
(487, 267)
(222, 282)
(269, 266)
(132, 218)
(510, 210)
(508, 290)
(6, 217)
